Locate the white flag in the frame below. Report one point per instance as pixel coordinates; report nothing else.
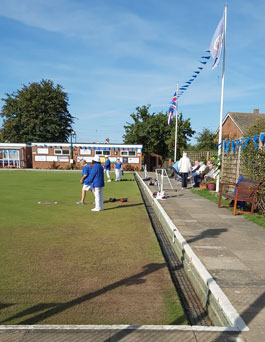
(217, 42)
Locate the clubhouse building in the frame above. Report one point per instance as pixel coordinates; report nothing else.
(64, 155)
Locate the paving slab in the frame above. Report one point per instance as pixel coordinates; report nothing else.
(150, 336)
(12, 336)
(233, 250)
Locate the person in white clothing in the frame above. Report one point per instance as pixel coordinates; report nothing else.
(118, 169)
(184, 168)
(107, 168)
(96, 179)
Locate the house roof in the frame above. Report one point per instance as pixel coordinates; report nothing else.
(244, 120)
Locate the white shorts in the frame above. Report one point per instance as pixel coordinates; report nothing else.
(86, 187)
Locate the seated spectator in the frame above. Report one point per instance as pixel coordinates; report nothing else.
(199, 176)
(196, 166)
(212, 174)
(194, 170)
(197, 171)
(175, 170)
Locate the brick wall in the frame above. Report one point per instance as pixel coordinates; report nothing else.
(230, 130)
(44, 156)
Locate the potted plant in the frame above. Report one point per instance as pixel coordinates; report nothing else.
(203, 185)
(211, 184)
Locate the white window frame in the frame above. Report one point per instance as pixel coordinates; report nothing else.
(61, 152)
(124, 153)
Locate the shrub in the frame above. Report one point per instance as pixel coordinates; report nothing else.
(54, 166)
(254, 160)
(128, 167)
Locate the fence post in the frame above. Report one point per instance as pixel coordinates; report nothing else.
(238, 164)
(222, 164)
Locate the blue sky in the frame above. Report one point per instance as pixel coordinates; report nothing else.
(114, 55)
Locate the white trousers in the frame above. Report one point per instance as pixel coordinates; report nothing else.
(118, 174)
(98, 192)
(107, 173)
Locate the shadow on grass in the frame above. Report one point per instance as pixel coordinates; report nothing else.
(5, 305)
(55, 308)
(125, 206)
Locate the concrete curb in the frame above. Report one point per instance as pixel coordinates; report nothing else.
(236, 322)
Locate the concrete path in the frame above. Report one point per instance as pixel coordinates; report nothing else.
(233, 251)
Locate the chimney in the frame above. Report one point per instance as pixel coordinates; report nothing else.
(255, 111)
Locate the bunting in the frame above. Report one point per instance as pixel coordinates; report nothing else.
(203, 60)
(242, 143)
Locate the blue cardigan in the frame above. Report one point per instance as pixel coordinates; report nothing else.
(96, 176)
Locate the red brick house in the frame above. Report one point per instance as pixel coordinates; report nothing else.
(235, 124)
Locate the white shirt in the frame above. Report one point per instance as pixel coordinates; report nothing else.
(184, 165)
(202, 168)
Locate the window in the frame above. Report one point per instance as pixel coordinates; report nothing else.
(99, 153)
(106, 153)
(132, 153)
(124, 153)
(61, 152)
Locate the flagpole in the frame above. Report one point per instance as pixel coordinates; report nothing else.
(222, 101)
(176, 126)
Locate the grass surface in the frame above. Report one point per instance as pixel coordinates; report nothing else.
(63, 264)
(213, 196)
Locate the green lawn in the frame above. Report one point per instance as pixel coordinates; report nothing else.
(63, 264)
(213, 196)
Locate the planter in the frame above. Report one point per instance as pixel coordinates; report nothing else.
(203, 186)
(211, 186)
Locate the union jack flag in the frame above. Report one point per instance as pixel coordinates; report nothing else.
(172, 107)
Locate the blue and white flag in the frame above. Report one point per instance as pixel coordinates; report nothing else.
(217, 42)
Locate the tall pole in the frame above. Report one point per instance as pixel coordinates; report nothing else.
(176, 126)
(222, 102)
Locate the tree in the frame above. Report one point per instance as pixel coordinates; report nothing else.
(37, 112)
(153, 132)
(206, 140)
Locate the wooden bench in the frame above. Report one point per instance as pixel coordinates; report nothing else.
(245, 191)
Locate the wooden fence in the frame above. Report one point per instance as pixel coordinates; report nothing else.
(200, 155)
(232, 167)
